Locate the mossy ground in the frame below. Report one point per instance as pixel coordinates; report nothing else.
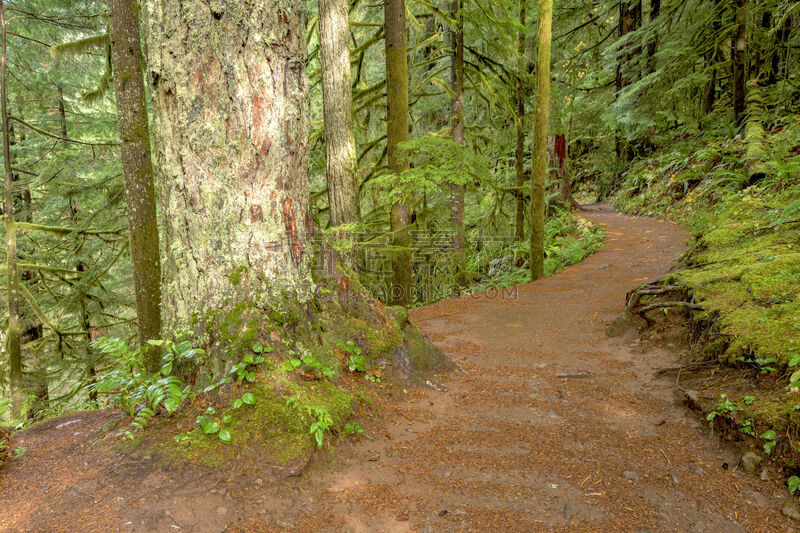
(743, 268)
(271, 410)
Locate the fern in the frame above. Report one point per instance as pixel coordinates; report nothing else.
(128, 386)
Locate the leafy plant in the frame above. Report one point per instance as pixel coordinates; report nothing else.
(356, 361)
(769, 436)
(322, 420)
(793, 483)
(130, 387)
(308, 362)
(352, 428)
(724, 407)
(244, 369)
(210, 425)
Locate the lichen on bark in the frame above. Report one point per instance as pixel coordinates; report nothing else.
(231, 133)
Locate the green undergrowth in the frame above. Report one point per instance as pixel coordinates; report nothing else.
(568, 240)
(273, 383)
(275, 424)
(743, 268)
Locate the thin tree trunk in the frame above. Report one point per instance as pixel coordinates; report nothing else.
(457, 112)
(739, 65)
(652, 46)
(397, 132)
(630, 18)
(539, 173)
(137, 166)
(62, 112)
(337, 102)
(14, 331)
(713, 59)
(231, 135)
(519, 153)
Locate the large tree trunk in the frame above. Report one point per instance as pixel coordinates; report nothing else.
(457, 112)
(539, 173)
(519, 153)
(397, 132)
(137, 167)
(231, 134)
(738, 65)
(337, 103)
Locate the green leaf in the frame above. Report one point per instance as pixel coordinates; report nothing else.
(251, 377)
(769, 435)
(166, 369)
(171, 405)
(319, 437)
(768, 446)
(790, 209)
(258, 348)
(211, 427)
(248, 398)
(227, 419)
(225, 436)
(237, 403)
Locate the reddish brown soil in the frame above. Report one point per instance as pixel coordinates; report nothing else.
(551, 426)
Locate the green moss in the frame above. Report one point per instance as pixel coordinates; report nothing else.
(235, 277)
(279, 432)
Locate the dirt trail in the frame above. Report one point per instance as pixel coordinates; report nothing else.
(551, 426)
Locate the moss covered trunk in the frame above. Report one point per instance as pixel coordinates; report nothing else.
(397, 132)
(337, 102)
(457, 112)
(231, 136)
(739, 60)
(137, 167)
(540, 139)
(519, 154)
(14, 329)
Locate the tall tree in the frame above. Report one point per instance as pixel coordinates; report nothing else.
(14, 330)
(539, 173)
(337, 103)
(137, 167)
(739, 60)
(519, 153)
(231, 135)
(457, 112)
(630, 19)
(397, 132)
(713, 57)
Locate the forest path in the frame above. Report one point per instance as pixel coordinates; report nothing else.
(552, 426)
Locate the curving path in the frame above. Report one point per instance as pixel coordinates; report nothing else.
(553, 426)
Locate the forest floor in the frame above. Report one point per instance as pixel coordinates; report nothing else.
(551, 426)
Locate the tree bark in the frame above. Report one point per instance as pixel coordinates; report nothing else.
(14, 330)
(137, 167)
(62, 112)
(519, 153)
(539, 173)
(337, 102)
(713, 59)
(738, 64)
(457, 112)
(397, 132)
(630, 18)
(231, 134)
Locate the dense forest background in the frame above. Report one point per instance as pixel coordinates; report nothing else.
(664, 107)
